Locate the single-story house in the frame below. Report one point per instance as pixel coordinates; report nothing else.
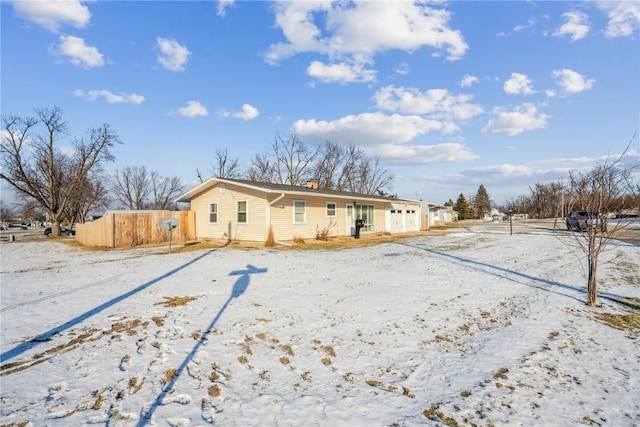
(437, 214)
(234, 209)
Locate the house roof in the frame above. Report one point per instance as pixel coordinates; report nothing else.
(284, 188)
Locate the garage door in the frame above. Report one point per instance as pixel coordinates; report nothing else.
(411, 219)
(397, 221)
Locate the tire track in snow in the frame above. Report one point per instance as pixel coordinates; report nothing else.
(57, 294)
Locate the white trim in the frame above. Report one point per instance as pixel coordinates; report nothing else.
(335, 209)
(217, 212)
(304, 220)
(246, 212)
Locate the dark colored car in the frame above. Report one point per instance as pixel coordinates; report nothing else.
(585, 221)
(64, 231)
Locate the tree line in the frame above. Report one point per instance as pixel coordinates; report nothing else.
(65, 186)
(291, 161)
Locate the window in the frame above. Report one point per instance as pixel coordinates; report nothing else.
(331, 209)
(365, 213)
(242, 212)
(299, 211)
(213, 213)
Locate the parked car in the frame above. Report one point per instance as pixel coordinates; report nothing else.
(585, 221)
(64, 231)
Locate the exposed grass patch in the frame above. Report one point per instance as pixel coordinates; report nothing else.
(406, 392)
(18, 424)
(287, 349)
(129, 326)
(284, 360)
(623, 322)
(433, 414)
(501, 374)
(135, 385)
(13, 367)
(169, 375)
(329, 350)
(214, 390)
(159, 321)
(176, 301)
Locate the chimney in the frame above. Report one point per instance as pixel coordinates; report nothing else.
(312, 184)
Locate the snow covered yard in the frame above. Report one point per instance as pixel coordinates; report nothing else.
(468, 328)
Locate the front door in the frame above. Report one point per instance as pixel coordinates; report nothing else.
(350, 225)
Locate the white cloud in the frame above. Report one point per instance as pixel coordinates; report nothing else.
(51, 15)
(78, 52)
(249, 112)
(193, 109)
(111, 98)
(503, 170)
(436, 103)
(402, 69)
(223, 5)
(370, 129)
(624, 17)
(518, 84)
(387, 136)
(342, 73)
(172, 55)
(523, 118)
(468, 80)
(530, 23)
(577, 26)
(359, 30)
(423, 154)
(520, 27)
(571, 81)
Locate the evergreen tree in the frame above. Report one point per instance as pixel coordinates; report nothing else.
(481, 203)
(462, 207)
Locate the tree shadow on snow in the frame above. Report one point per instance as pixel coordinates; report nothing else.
(46, 336)
(238, 289)
(508, 274)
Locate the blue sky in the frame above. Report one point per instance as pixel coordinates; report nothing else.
(448, 95)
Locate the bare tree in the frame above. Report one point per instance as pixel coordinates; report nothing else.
(6, 212)
(135, 187)
(350, 169)
(371, 178)
(600, 192)
(293, 159)
(327, 170)
(261, 169)
(33, 164)
(91, 196)
(132, 187)
(225, 167)
(165, 189)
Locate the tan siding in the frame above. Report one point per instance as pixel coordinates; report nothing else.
(227, 226)
(279, 214)
(316, 217)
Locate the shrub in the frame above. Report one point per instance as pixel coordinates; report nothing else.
(324, 233)
(271, 241)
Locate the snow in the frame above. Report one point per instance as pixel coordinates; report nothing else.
(475, 327)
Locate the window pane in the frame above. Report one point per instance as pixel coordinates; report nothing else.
(298, 211)
(331, 209)
(242, 212)
(213, 212)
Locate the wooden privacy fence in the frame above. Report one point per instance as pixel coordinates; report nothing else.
(128, 229)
